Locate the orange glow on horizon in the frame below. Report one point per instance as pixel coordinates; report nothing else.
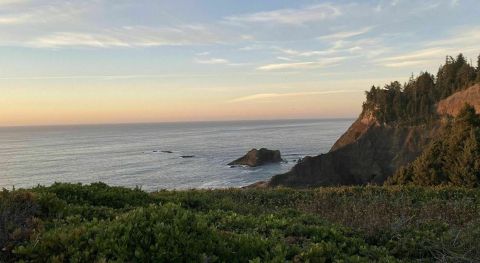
(31, 109)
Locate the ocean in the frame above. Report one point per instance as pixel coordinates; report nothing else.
(131, 154)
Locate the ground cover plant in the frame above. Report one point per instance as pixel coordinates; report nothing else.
(99, 223)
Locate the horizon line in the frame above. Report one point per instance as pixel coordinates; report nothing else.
(170, 122)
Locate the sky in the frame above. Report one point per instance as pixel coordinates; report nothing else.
(121, 61)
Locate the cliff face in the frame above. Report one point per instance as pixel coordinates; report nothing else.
(365, 122)
(371, 157)
(370, 152)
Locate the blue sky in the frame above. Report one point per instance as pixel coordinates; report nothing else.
(135, 61)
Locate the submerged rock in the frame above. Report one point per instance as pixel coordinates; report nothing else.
(259, 157)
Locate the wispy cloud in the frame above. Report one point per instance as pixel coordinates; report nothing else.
(218, 61)
(263, 96)
(11, 2)
(407, 63)
(205, 53)
(460, 37)
(462, 40)
(420, 57)
(211, 61)
(252, 47)
(309, 53)
(420, 6)
(137, 36)
(62, 39)
(367, 47)
(108, 77)
(345, 34)
(422, 54)
(39, 14)
(299, 16)
(284, 58)
(302, 65)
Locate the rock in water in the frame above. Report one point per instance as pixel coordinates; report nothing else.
(259, 157)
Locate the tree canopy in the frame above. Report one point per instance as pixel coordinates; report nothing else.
(451, 159)
(414, 102)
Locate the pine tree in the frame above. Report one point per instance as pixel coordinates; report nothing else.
(402, 176)
(427, 169)
(460, 60)
(465, 75)
(414, 103)
(478, 70)
(466, 168)
(452, 158)
(467, 116)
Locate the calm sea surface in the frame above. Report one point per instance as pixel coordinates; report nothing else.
(130, 154)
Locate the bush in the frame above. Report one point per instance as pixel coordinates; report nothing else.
(98, 194)
(336, 224)
(18, 219)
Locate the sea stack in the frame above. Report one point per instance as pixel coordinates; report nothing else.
(256, 157)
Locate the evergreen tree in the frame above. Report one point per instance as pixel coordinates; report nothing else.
(467, 116)
(427, 169)
(465, 75)
(460, 60)
(478, 69)
(414, 102)
(478, 63)
(466, 168)
(402, 176)
(452, 158)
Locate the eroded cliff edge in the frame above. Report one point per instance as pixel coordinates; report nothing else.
(370, 151)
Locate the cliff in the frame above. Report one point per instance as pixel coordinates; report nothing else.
(369, 151)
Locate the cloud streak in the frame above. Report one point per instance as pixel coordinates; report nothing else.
(138, 36)
(465, 40)
(299, 16)
(263, 96)
(345, 34)
(17, 12)
(212, 61)
(302, 65)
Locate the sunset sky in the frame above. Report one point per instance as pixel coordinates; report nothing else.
(99, 61)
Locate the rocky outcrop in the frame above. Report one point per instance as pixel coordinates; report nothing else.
(259, 157)
(358, 128)
(369, 152)
(370, 159)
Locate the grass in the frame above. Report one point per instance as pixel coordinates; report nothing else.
(99, 223)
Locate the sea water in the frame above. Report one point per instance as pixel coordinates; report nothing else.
(139, 154)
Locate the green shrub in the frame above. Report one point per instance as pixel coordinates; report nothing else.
(335, 224)
(18, 219)
(98, 194)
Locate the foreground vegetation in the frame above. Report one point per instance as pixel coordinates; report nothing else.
(98, 223)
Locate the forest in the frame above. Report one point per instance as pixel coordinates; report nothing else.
(413, 102)
(453, 158)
